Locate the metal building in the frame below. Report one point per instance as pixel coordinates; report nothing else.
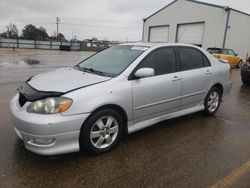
(199, 23)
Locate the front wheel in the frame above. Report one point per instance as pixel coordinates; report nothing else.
(101, 132)
(239, 64)
(245, 82)
(212, 101)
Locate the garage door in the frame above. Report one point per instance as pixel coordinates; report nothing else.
(190, 33)
(159, 34)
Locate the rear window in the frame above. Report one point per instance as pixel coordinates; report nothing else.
(213, 50)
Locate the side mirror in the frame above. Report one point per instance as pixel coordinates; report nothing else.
(145, 73)
(236, 55)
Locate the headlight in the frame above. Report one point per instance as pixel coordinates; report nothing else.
(50, 105)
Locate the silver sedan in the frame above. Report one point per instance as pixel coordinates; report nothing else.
(122, 89)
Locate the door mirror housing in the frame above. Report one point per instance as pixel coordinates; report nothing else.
(145, 73)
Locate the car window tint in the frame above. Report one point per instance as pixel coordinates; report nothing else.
(206, 62)
(190, 59)
(161, 60)
(231, 52)
(213, 51)
(224, 51)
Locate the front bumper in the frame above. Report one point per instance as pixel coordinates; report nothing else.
(46, 134)
(245, 73)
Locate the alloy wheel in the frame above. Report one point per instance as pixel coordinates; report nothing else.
(213, 101)
(104, 132)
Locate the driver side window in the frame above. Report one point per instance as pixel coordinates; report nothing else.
(231, 52)
(161, 60)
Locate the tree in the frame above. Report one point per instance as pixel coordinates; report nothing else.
(42, 34)
(30, 32)
(60, 37)
(12, 31)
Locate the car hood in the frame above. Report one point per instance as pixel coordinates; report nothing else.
(65, 80)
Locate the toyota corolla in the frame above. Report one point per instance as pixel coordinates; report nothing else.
(122, 89)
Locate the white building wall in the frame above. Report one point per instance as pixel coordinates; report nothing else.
(238, 35)
(184, 11)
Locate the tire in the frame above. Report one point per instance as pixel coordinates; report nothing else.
(239, 64)
(212, 101)
(101, 132)
(245, 82)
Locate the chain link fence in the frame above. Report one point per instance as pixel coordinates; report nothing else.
(55, 45)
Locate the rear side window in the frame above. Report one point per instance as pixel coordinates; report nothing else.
(190, 59)
(206, 62)
(161, 60)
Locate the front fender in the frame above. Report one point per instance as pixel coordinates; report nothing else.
(238, 59)
(87, 100)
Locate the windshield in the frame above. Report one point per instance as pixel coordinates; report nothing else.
(113, 61)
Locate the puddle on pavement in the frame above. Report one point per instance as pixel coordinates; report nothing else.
(25, 63)
(32, 61)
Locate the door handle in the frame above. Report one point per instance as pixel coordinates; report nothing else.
(208, 72)
(176, 78)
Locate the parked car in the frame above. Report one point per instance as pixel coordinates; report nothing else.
(227, 54)
(122, 89)
(245, 72)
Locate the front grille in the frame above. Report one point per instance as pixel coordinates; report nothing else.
(22, 99)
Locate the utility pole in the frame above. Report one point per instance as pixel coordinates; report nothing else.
(57, 24)
(8, 36)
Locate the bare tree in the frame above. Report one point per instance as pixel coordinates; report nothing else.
(11, 31)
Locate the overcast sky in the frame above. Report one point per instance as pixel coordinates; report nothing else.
(104, 19)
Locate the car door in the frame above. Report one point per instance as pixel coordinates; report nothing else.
(233, 58)
(226, 56)
(196, 73)
(160, 94)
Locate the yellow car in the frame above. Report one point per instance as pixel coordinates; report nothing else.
(227, 54)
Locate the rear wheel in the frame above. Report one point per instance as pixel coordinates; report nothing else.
(212, 101)
(101, 132)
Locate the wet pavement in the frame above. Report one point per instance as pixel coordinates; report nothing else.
(192, 151)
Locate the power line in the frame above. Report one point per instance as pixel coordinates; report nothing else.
(103, 20)
(102, 26)
(67, 23)
(37, 19)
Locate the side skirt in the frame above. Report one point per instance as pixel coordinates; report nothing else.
(147, 123)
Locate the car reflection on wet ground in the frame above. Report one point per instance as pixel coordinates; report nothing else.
(192, 151)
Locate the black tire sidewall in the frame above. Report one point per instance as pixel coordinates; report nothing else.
(84, 140)
(239, 64)
(245, 82)
(207, 111)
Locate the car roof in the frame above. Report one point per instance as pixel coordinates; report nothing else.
(214, 48)
(219, 49)
(150, 45)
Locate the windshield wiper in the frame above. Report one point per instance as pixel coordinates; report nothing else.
(90, 70)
